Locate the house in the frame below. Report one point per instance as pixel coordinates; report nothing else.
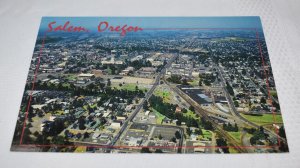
(147, 112)
(178, 109)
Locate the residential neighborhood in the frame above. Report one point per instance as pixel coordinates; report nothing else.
(162, 91)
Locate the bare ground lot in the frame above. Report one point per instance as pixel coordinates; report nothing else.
(129, 79)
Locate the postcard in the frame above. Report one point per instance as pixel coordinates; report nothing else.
(171, 85)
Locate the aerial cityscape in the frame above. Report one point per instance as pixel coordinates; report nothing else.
(168, 88)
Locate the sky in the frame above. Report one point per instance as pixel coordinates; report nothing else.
(91, 23)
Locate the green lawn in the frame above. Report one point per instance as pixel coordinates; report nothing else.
(189, 113)
(66, 85)
(159, 117)
(236, 136)
(166, 95)
(109, 71)
(194, 82)
(273, 93)
(80, 149)
(128, 86)
(94, 105)
(233, 150)
(206, 134)
(71, 76)
(59, 112)
(264, 119)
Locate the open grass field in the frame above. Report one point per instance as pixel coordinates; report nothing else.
(80, 149)
(233, 150)
(159, 117)
(72, 76)
(189, 113)
(194, 82)
(206, 134)
(236, 135)
(94, 105)
(166, 95)
(264, 119)
(273, 93)
(58, 112)
(128, 86)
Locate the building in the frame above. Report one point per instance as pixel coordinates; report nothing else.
(116, 124)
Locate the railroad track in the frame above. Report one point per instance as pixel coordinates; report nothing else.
(202, 112)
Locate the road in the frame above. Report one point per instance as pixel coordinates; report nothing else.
(264, 89)
(147, 96)
(181, 131)
(203, 113)
(246, 141)
(236, 113)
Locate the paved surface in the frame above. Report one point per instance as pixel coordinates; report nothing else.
(139, 107)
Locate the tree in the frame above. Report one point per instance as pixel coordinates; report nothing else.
(263, 100)
(236, 103)
(206, 124)
(178, 122)
(173, 139)
(81, 122)
(66, 133)
(108, 82)
(58, 140)
(41, 139)
(177, 135)
(145, 105)
(145, 150)
(244, 72)
(253, 140)
(160, 137)
(188, 131)
(236, 128)
(200, 82)
(258, 135)
(158, 151)
(283, 146)
(221, 142)
(184, 82)
(282, 132)
(86, 135)
(207, 82)
(175, 79)
(198, 131)
(192, 108)
(229, 89)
